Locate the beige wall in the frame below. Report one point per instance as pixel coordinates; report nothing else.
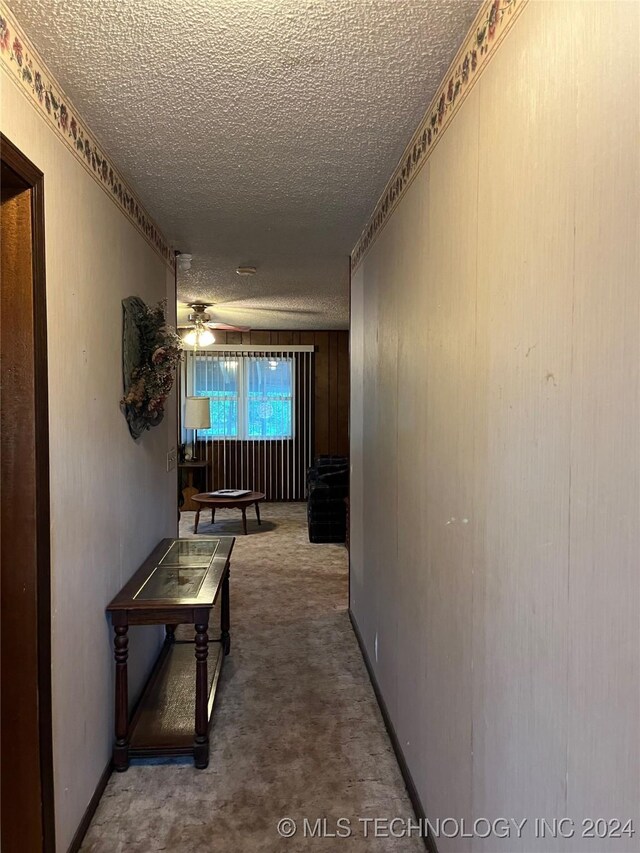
(111, 498)
(496, 439)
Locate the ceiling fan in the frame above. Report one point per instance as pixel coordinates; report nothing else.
(201, 328)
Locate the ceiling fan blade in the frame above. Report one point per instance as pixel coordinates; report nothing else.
(225, 327)
(220, 327)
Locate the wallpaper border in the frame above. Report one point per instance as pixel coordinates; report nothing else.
(493, 21)
(27, 70)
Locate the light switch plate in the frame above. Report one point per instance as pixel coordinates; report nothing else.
(172, 458)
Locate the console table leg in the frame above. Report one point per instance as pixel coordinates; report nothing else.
(225, 618)
(121, 653)
(201, 740)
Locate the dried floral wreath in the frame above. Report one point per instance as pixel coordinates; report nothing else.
(150, 352)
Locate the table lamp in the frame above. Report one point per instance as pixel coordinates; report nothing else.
(197, 415)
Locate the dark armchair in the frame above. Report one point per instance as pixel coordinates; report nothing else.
(327, 488)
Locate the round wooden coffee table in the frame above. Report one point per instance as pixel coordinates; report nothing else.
(206, 499)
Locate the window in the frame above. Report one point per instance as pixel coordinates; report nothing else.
(251, 397)
(217, 378)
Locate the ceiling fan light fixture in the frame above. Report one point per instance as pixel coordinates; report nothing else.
(199, 337)
(246, 270)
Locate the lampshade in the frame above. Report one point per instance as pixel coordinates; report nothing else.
(197, 414)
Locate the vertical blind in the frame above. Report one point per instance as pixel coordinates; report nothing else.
(261, 405)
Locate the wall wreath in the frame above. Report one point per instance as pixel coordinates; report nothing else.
(150, 353)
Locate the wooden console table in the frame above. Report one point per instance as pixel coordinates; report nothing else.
(178, 583)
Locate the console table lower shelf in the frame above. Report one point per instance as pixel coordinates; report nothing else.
(162, 723)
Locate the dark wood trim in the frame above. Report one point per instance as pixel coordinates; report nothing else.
(412, 791)
(34, 180)
(349, 515)
(178, 387)
(87, 817)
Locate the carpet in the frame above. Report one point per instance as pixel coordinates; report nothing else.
(296, 731)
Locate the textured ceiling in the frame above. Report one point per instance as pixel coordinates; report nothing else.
(256, 132)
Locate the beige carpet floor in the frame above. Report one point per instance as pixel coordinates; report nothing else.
(296, 731)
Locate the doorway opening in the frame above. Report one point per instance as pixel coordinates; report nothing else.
(25, 608)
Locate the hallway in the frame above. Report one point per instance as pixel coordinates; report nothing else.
(379, 255)
(296, 733)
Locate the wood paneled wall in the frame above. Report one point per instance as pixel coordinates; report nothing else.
(495, 503)
(331, 379)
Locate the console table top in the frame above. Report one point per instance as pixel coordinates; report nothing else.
(178, 573)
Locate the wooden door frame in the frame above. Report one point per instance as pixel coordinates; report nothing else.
(33, 180)
(349, 515)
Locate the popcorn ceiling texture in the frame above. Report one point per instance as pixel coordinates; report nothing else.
(255, 132)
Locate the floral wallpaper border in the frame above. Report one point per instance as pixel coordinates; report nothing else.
(491, 24)
(28, 71)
